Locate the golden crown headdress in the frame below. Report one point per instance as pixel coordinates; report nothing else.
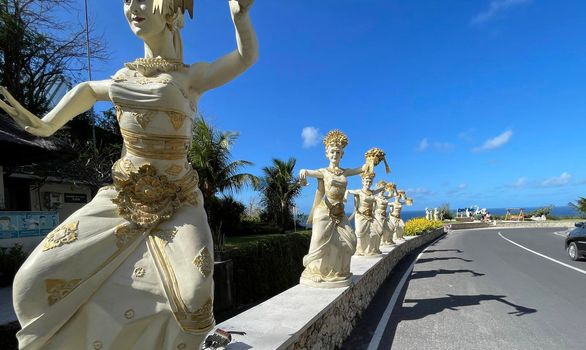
(336, 138)
(367, 175)
(373, 157)
(381, 183)
(174, 5)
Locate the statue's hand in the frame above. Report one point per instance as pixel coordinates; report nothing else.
(303, 177)
(240, 7)
(23, 117)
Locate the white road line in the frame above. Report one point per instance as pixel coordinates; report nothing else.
(380, 328)
(561, 233)
(543, 256)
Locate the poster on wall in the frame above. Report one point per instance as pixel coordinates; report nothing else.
(26, 224)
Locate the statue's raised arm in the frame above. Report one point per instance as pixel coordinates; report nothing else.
(206, 76)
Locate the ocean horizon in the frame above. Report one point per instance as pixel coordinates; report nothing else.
(563, 210)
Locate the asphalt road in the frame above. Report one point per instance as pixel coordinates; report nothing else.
(474, 289)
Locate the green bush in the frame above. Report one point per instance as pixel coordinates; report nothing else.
(10, 261)
(266, 267)
(417, 226)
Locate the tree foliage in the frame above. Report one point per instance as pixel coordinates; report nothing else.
(579, 205)
(210, 155)
(279, 188)
(38, 52)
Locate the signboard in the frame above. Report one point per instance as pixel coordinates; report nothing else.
(15, 224)
(75, 198)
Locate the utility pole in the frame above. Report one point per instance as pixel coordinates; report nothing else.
(89, 68)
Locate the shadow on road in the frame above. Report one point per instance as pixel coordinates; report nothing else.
(426, 260)
(426, 307)
(434, 273)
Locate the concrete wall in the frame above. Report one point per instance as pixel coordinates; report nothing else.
(314, 318)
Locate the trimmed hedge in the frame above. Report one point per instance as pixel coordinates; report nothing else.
(267, 267)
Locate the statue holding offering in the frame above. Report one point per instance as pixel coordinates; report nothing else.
(133, 268)
(369, 230)
(332, 239)
(380, 212)
(400, 199)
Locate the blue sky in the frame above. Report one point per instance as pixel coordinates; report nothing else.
(475, 102)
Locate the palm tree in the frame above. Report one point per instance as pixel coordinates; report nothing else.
(210, 156)
(579, 205)
(279, 188)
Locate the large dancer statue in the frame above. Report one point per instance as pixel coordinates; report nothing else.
(332, 240)
(133, 268)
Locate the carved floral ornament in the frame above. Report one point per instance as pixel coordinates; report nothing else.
(64, 234)
(203, 262)
(146, 198)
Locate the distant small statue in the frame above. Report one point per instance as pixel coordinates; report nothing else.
(436, 214)
(428, 214)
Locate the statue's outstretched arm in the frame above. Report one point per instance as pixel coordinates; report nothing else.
(206, 76)
(355, 171)
(304, 173)
(378, 190)
(78, 100)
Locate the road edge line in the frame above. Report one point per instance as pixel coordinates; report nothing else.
(543, 256)
(380, 328)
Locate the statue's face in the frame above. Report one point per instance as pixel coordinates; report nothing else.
(143, 22)
(334, 154)
(366, 182)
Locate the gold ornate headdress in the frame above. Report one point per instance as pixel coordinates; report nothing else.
(336, 138)
(409, 201)
(373, 157)
(391, 187)
(401, 193)
(367, 175)
(174, 6)
(381, 183)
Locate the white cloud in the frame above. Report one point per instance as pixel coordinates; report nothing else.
(561, 180)
(521, 182)
(423, 145)
(467, 135)
(418, 192)
(495, 142)
(496, 8)
(310, 136)
(458, 189)
(443, 146)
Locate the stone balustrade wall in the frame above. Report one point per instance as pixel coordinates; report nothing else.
(314, 318)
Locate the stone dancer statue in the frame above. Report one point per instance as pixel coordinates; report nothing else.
(436, 214)
(380, 212)
(332, 239)
(133, 268)
(368, 229)
(428, 215)
(396, 214)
